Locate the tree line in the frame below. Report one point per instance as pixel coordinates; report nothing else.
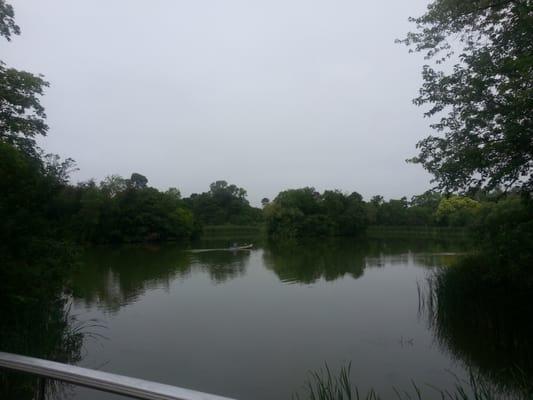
(306, 212)
(499, 223)
(128, 210)
(119, 210)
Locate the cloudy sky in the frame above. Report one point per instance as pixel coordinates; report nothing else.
(268, 95)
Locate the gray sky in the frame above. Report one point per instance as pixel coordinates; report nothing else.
(268, 95)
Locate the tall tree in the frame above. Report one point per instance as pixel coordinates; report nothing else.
(223, 204)
(22, 116)
(8, 27)
(485, 130)
(138, 181)
(113, 185)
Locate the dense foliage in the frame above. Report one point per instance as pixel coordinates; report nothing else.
(504, 232)
(305, 212)
(420, 211)
(123, 210)
(486, 133)
(119, 210)
(32, 250)
(485, 130)
(223, 204)
(35, 259)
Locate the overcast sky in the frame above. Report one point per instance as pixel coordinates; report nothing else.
(268, 95)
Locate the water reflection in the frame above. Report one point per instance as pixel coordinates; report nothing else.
(114, 277)
(489, 329)
(236, 306)
(221, 265)
(424, 260)
(308, 261)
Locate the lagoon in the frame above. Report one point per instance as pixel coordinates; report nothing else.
(252, 324)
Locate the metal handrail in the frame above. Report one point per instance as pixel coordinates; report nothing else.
(99, 380)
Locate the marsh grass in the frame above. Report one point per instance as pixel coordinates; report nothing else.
(483, 322)
(72, 335)
(326, 385)
(323, 385)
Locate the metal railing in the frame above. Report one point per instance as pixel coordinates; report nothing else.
(99, 380)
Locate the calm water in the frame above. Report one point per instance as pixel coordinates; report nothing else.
(251, 324)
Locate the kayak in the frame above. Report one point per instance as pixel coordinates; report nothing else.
(244, 247)
(232, 248)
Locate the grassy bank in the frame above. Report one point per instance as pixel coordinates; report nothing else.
(373, 232)
(418, 232)
(232, 231)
